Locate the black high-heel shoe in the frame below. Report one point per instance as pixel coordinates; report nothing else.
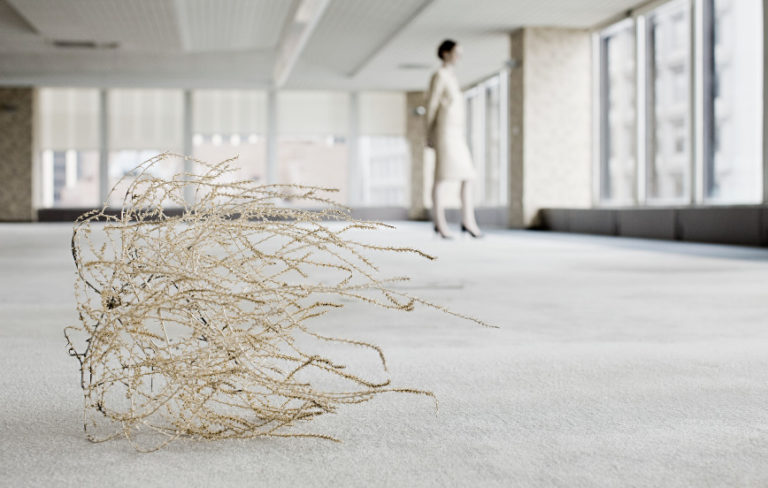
(476, 236)
(444, 236)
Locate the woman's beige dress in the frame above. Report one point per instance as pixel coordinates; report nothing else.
(445, 127)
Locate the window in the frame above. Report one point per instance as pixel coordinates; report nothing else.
(229, 123)
(487, 139)
(312, 144)
(733, 88)
(495, 180)
(475, 127)
(142, 124)
(669, 68)
(314, 140)
(618, 124)
(699, 65)
(383, 159)
(69, 147)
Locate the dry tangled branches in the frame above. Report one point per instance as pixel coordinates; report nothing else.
(195, 323)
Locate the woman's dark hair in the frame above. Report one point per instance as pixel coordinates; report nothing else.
(445, 47)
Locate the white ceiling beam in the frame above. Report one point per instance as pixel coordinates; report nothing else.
(397, 30)
(299, 25)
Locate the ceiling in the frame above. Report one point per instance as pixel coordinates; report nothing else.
(352, 44)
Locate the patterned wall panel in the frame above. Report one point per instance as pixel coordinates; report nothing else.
(416, 136)
(558, 119)
(549, 122)
(16, 154)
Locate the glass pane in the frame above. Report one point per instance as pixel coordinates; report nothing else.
(311, 146)
(70, 178)
(142, 124)
(250, 150)
(384, 164)
(476, 139)
(669, 97)
(383, 159)
(486, 138)
(314, 161)
(618, 118)
(229, 123)
(733, 170)
(69, 157)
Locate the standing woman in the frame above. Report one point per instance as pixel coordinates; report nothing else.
(447, 135)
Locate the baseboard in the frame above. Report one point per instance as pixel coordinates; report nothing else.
(745, 225)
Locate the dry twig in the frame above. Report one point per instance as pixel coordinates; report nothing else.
(193, 324)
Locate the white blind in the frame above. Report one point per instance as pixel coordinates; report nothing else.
(69, 118)
(230, 112)
(382, 113)
(312, 113)
(146, 119)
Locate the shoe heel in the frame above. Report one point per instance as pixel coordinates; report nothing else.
(464, 229)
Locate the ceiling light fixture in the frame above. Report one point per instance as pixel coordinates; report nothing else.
(81, 44)
(415, 66)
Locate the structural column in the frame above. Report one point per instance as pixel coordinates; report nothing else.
(272, 136)
(188, 146)
(415, 129)
(16, 127)
(550, 114)
(354, 180)
(516, 141)
(103, 145)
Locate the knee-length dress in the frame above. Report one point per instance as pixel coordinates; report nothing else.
(446, 131)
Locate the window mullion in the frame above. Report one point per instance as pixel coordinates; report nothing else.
(642, 87)
(699, 80)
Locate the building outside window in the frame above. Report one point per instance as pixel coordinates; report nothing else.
(733, 88)
(68, 119)
(669, 117)
(618, 116)
(717, 95)
(384, 162)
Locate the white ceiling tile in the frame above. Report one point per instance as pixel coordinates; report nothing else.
(231, 25)
(231, 43)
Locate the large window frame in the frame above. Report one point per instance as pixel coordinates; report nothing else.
(604, 190)
(270, 137)
(490, 186)
(700, 123)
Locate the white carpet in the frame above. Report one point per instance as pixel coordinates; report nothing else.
(620, 363)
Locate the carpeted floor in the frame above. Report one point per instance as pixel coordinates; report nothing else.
(619, 363)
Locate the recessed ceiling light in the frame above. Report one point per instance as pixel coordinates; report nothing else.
(414, 66)
(80, 44)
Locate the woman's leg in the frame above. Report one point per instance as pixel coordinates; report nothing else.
(438, 210)
(468, 208)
